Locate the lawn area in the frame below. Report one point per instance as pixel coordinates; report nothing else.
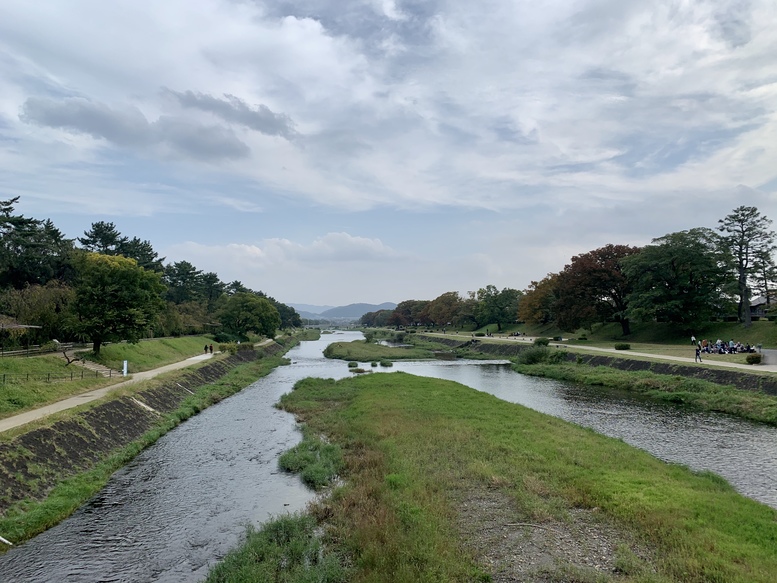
(148, 354)
(420, 453)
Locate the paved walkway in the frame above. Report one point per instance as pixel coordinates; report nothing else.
(75, 401)
(707, 359)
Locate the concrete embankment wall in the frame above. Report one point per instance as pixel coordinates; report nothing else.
(34, 462)
(740, 379)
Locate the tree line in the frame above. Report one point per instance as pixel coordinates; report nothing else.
(686, 279)
(106, 287)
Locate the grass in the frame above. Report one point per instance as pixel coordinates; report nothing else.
(29, 518)
(676, 389)
(361, 351)
(148, 354)
(316, 461)
(410, 443)
(285, 549)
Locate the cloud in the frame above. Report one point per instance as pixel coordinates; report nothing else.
(128, 127)
(235, 110)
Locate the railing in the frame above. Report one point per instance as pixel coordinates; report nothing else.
(51, 377)
(36, 350)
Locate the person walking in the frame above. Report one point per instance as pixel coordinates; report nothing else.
(693, 339)
(698, 354)
(206, 349)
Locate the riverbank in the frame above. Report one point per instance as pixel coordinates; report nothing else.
(446, 483)
(46, 473)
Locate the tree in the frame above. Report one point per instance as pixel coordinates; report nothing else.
(444, 310)
(679, 279)
(537, 305)
(496, 307)
(115, 299)
(32, 252)
(246, 312)
(46, 306)
(409, 313)
(747, 236)
(142, 252)
(593, 288)
(102, 238)
(184, 282)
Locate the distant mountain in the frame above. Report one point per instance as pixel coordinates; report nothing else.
(356, 311)
(310, 308)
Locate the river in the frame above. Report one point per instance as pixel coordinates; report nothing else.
(185, 501)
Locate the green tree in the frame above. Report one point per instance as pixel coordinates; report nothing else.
(46, 306)
(32, 252)
(593, 288)
(115, 299)
(184, 282)
(746, 234)
(102, 237)
(679, 278)
(142, 252)
(246, 312)
(496, 307)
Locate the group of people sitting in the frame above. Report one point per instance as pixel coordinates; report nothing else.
(721, 347)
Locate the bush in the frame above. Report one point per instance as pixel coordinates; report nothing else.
(386, 363)
(557, 339)
(753, 359)
(480, 334)
(541, 341)
(373, 363)
(353, 364)
(622, 346)
(230, 347)
(541, 355)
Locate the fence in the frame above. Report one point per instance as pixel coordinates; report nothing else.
(36, 350)
(51, 377)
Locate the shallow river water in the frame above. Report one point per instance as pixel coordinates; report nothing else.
(184, 502)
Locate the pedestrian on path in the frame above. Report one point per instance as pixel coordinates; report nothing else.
(698, 354)
(693, 339)
(206, 349)
(211, 348)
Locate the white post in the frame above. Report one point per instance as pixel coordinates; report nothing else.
(125, 368)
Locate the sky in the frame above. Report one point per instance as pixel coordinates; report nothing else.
(333, 152)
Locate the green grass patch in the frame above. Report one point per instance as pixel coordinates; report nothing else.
(285, 549)
(411, 443)
(364, 352)
(148, 354)
(676, 389)
(316, 461)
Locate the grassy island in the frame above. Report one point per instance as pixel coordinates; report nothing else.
(445, 483)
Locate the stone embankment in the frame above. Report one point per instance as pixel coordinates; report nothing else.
(739, 379)
(33, 463)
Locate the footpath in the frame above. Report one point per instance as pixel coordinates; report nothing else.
(76, 400)
(707, 359)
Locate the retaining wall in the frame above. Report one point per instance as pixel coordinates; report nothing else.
(36, 461)
(740, 379)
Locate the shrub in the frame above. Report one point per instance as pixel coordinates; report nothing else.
(541, 354)
(353, 364)
(582, 337)
(246, 346)
(480, 334)
(386, 363)
(541, 341)
(622, 346)
(753, 359)
(373, 363)
(230, 347)
(557, 339)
